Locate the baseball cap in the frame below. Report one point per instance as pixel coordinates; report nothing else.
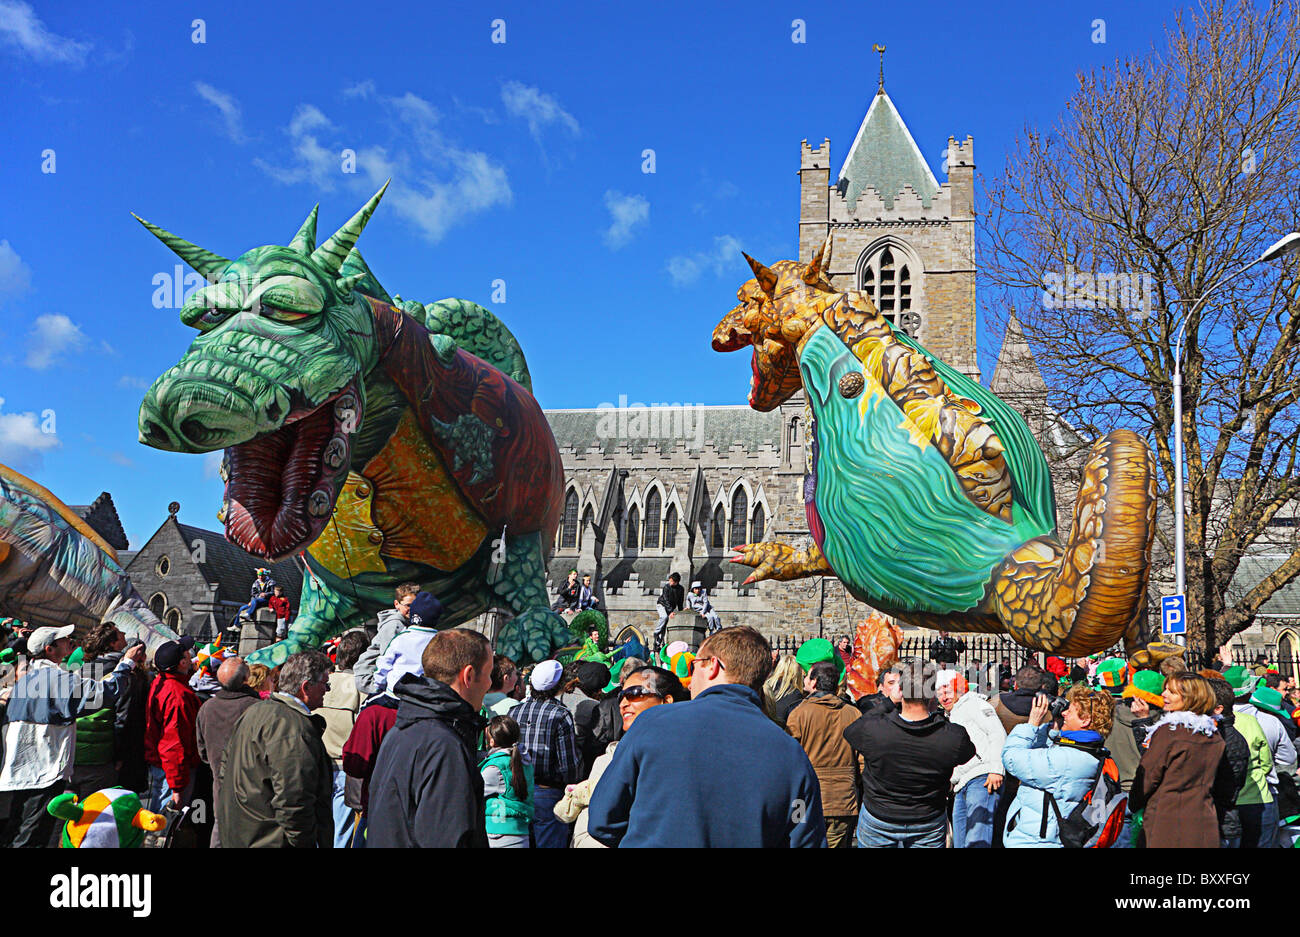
(546, 675)
(425, 610)
(42, 638)
(169, 653)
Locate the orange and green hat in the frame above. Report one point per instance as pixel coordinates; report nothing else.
(1146, 685)
(680, 664)
(1113, 674)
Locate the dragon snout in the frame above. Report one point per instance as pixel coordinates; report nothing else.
(731, 334)
(199, 416)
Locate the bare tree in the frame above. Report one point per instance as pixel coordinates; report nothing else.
(1162, 176)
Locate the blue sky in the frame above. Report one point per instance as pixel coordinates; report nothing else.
(519, 161)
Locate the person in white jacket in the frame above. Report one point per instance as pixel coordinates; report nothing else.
(405, 652)
(976, 783)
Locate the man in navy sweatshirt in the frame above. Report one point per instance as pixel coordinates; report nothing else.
(714, 772)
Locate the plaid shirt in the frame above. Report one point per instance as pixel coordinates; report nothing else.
(548, 740)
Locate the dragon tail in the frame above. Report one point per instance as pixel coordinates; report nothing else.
(1083, 596)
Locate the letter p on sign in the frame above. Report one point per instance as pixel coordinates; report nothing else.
(1173, 614)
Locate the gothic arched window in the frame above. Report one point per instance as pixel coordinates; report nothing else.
(588, 522)
(739, 517)
(760, 524)
(715, 534)
(887, 278)
(653, 505)
(158, 604)
(1286, 656)
(569, 528)
(633, 525)
(670, 527)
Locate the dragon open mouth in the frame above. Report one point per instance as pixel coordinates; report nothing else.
(282, 485)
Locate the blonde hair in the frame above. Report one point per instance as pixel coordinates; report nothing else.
(787, 676)
(257, 674)
(1197, 692)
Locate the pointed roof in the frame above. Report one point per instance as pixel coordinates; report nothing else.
(1016, 371)
(103, 520)
(885, 157)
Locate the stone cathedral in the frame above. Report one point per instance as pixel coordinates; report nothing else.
(640, 503)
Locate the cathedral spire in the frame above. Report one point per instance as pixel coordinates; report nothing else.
(880, 89)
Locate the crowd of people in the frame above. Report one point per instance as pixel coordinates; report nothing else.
(423, 736)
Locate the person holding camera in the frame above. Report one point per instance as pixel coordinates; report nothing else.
(1061, 764)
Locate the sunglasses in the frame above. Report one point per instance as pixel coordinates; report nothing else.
(695, 662)
(638, 692)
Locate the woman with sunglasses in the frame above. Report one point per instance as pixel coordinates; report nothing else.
(642, 689)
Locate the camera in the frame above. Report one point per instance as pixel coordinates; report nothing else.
(1058, 706)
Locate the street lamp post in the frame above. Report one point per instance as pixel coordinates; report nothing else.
(1285, 246)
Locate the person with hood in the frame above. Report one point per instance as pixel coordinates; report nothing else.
(405, 651)
(1060, 765)
(216, 721)
(818, 725)
(699, 601)
(37, 751)
(909, 757)
(975, 783)
(426, 790)
(1112, 676)
(276, 787)
(339, 710)
(392, 622)
(1281, 753)
(1012, 708)
(1183, 779)
(171, 715)
(1236, 752)
(671, 601)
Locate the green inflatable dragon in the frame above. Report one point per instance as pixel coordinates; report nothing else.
(381, 441)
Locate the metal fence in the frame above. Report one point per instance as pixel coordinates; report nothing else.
(975, 650)
(1287, 664)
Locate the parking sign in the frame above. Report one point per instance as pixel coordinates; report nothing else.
(1173, 614)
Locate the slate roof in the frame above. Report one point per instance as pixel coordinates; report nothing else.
(234, 569)
(885, 157)
(1253, 568)
(722, 427)
(103, 520)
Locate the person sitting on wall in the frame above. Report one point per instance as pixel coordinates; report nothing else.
(587, 595)
(699, 600)
(279, 603)
(259, 594)
(670, 602)
(567, 599)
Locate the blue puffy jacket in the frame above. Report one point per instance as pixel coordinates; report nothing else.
(1033, 755)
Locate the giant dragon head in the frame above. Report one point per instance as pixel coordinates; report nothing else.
(275, 378)
(775, 310)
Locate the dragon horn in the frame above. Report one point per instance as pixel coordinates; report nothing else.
(333, 252)
(208, 264)
(766, 278)
(346, 284)
(304, 242)
(820, 261)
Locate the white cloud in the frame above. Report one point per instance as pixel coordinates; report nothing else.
(21, 28)
(121, 458)
(15, 276)
(685, 269)
(362, 89)
(227, 105)
(537, 108)
(50, 337)
(212, 464)
(317, 164)
(22, 441)
(626, 212)
(135, 383)
(432, 204)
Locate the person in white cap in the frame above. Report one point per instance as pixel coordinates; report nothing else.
(549, 740)
(699, 600)
(40, 732)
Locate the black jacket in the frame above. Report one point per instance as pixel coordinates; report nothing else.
(908, 765)
(1236, 753)
(128, 715)
(672, 598)
(946, 650)
(875, 704)
(426, 790)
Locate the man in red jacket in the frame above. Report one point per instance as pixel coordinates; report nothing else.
(360, 752)
(171, 714)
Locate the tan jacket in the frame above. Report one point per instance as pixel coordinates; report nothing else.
(818, 724)
(572, 807)
(339, 709)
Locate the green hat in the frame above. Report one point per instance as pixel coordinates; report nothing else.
(1241, 680)
(1146, 685)
(1269, 700)
(816, 650)
(1112, 674)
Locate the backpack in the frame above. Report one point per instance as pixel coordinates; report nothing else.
(1095, 823)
